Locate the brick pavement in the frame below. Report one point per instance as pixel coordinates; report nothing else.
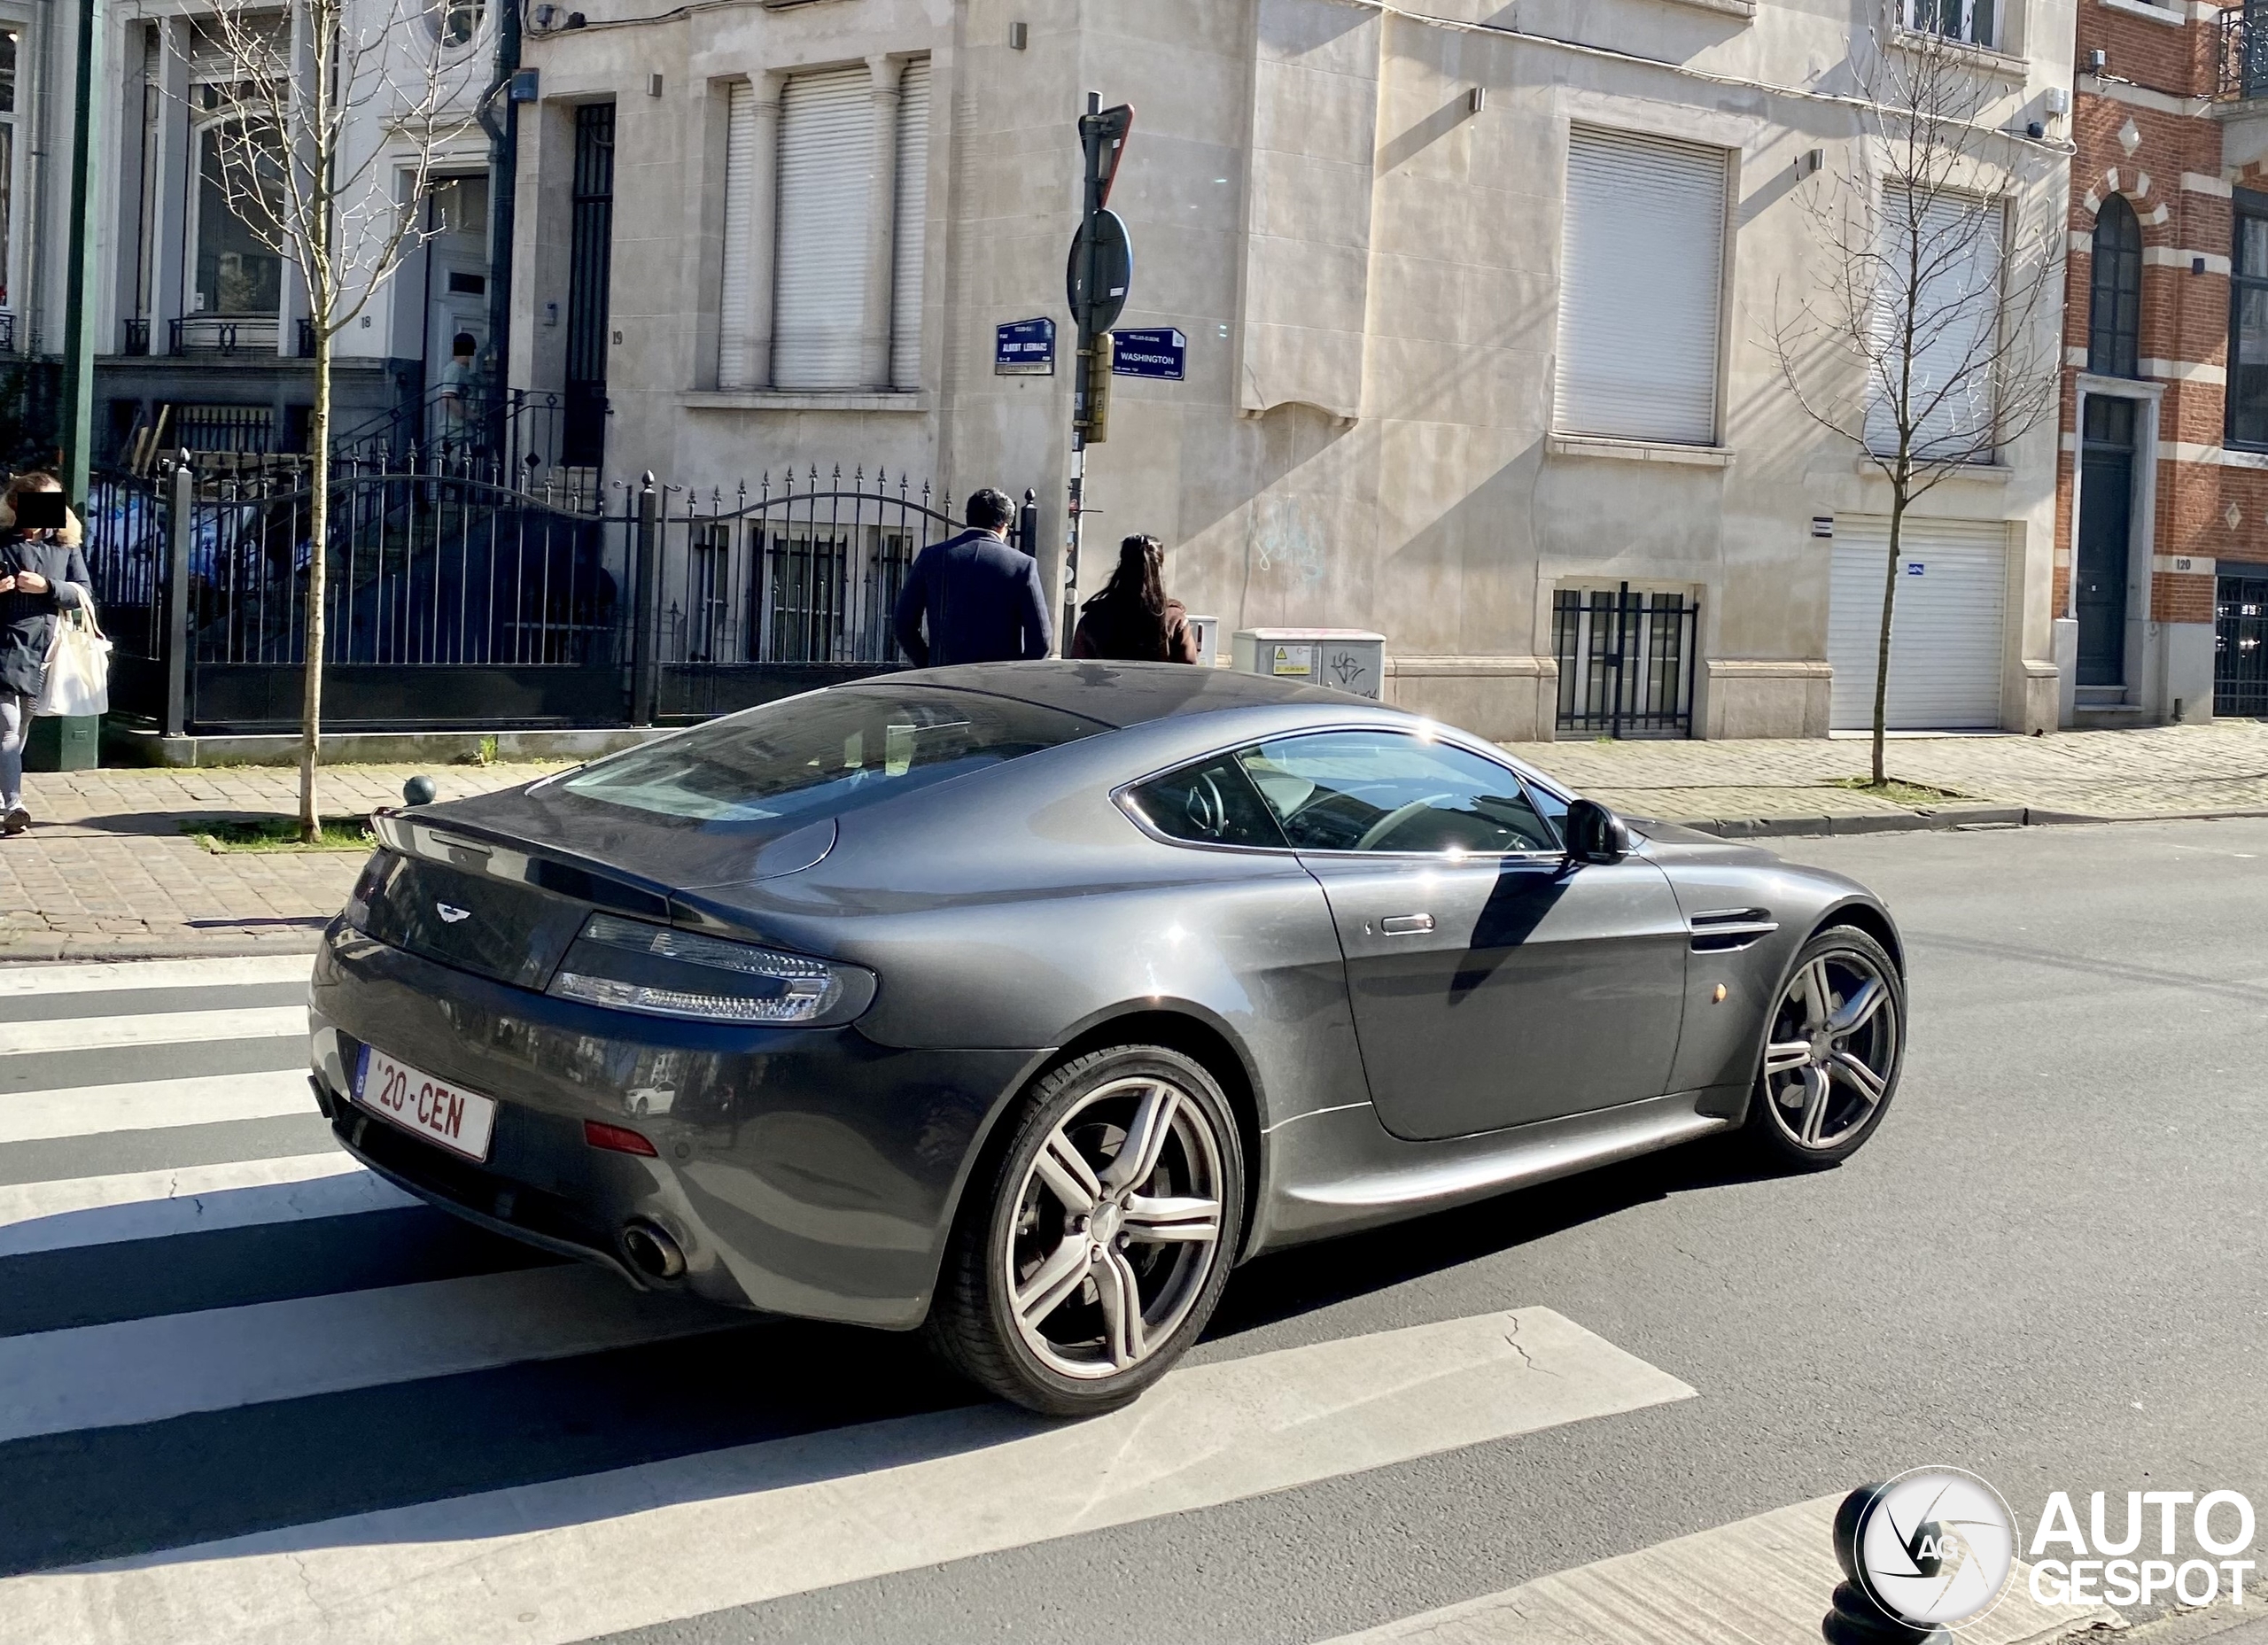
(106, 871)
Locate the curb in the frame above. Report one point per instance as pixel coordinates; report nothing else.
(1931, 822)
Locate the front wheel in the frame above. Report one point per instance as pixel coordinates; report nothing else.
(1833, 1051)
(1095, 1250)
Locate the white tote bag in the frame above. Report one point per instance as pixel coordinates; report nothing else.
(78, 666)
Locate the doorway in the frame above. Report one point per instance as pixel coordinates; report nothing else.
(2105, 537)
(456, 305)
(590, 251)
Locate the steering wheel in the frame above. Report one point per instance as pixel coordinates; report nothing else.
(1207, 811)
(1385, 826)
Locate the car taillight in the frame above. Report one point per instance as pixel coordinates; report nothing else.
(630, 966)
(618, 1139)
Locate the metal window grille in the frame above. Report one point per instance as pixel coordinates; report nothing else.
(590, 250)
(1625, 661)
(2241, 648)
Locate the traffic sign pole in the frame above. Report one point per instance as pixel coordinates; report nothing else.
(1101, 272)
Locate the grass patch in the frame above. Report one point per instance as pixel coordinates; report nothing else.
(1896, 792)
(280, 834)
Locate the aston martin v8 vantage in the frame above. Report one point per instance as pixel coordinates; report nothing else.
(1019, 1003)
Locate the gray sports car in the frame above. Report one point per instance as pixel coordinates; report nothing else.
(1021, 1003)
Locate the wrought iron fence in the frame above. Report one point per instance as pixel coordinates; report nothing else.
(2241, 648)
(460, 596)
(2241, 56)
(1625, 661)
(517, 430)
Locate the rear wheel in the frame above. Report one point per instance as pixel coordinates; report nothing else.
(1097, 1246)
(1833, 1051)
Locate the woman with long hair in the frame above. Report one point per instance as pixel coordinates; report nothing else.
(1131, 620)
(41, 572)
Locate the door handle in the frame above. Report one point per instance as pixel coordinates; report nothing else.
(1406, 925)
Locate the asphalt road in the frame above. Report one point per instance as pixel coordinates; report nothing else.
(2045, 1268)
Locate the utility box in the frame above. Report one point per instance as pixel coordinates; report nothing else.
(1207, 630)
(1345, 659)
(61, 743)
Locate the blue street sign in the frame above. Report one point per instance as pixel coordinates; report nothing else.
(1024, 348)
(1162, 354)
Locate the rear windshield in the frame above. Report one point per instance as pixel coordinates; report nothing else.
(822, 755)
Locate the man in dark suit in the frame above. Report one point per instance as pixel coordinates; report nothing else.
(979, 599)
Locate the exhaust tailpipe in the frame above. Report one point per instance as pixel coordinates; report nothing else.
(651, 1251)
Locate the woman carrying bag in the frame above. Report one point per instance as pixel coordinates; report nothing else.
(1131, 620)
(41, 574)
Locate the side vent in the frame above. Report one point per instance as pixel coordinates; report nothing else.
(1728, 930)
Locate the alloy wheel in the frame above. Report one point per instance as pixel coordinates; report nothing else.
(1833, 1051)
(1117, 1228)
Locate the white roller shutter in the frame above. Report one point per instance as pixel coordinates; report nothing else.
(1946, 636)
(1640, 288)
(1956, 307)
(912, 225)
(734, 368)
(827, 132)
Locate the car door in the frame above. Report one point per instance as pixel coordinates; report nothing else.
(1492, 983)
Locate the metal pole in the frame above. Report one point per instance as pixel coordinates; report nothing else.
(182, 488)
(80, 282)
(503, 128)
(1091, 203)
(646, 660)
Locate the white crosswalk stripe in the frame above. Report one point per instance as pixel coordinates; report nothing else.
(18, 981)
(710, 1527)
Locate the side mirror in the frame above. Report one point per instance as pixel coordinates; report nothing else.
(1596, 834)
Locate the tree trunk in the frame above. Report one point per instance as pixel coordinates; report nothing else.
(1888, 605)
(318, 581)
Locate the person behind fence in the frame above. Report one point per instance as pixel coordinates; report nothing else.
(977, 597)
(457, 385)
(1131, 620)
(42, 571)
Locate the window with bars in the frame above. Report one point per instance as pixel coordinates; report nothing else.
(2247, 388)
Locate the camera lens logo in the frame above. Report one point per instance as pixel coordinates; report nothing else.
(1934, 1547)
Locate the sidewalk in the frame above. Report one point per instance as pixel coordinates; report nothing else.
(107, 872)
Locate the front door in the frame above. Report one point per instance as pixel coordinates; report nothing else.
(2106, 519)
(1492, 984)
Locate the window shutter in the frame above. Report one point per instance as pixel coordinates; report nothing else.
(734, 368)
(1641, 279)
(912, 225)
(1956, 323)
(826, 152)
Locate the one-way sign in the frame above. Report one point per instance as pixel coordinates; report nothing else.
(1162, 354)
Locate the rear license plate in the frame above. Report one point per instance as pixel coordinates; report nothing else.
(455, 1118)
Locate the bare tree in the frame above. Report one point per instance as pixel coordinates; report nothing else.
(325, 124)
(1929, 335)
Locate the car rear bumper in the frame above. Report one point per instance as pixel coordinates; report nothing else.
(805, 1172)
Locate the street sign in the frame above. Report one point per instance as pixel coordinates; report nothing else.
(1102, 133)
(1101, 246)
(1024, 348)
(1163, 354)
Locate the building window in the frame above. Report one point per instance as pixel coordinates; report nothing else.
(238, 175)
(2115, 308)
(1641, 289)
(8, 39)
(1954, 242)
(454, 22)
(1972, 22)
(824, 232)
(2248, 397)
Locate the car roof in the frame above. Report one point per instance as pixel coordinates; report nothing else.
(1120, 695)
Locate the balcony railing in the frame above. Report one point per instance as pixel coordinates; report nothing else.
(215, 333)
(7, 332)
(136, 340)
(2242, 61)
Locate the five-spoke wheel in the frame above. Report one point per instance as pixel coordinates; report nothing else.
(1106, 1240)
(1832, 1048)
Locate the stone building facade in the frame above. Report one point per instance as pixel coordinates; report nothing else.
(2163, 482)
(1476, 310)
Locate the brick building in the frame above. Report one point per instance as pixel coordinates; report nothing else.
(2162, 484)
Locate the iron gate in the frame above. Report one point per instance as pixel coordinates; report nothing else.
(2241, 648)
(1625, 661)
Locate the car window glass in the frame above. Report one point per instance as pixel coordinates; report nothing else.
(1211, 802)
(1382, 791)
(824, 754)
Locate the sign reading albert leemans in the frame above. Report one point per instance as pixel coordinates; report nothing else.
(1024, 348)
(1162, 354)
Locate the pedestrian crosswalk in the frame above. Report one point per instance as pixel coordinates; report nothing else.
(249, 1392)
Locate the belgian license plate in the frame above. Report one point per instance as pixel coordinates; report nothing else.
(457, 1119)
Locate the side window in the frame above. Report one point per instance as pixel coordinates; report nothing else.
(1381, 791)
(1211, 802)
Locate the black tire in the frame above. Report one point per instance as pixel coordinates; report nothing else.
(1780, 1114)
(1012, 1220)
